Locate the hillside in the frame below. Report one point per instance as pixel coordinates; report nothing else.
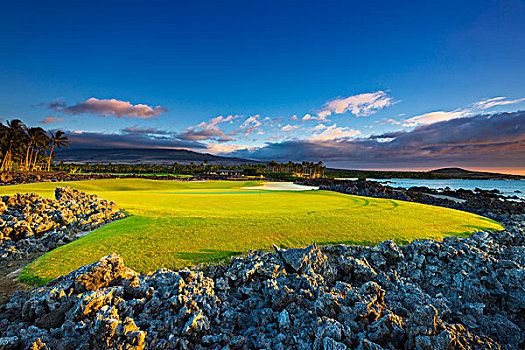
(469, 174)
(144, 156)
(442, 173)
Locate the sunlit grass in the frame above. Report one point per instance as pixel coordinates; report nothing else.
(174, 224)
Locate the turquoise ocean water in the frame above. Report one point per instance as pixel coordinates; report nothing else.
(506, 187)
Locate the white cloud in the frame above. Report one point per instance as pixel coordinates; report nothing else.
(495, 101)
(218, 120)
(333, 132)
(289, 127)
(319, 127)
(215, 148)
(359, 105)
(477, 107)
(307, 117)
(250, 125)
(434, 117)
(389, 121)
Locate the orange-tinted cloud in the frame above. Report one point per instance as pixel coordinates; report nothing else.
(49, 120)
(106, 108)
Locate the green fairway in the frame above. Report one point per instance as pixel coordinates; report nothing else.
(174, 224)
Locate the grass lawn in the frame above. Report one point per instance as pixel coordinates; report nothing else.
(179, 176)
(175, 224)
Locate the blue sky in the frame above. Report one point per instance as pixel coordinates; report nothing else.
(358, 70)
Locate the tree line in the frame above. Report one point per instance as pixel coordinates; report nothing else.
(28, 148)
(303, 169)
(271, 169)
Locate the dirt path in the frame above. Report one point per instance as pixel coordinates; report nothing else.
(9, 282)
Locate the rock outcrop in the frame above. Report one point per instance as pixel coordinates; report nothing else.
(456, 294)
(31, 224)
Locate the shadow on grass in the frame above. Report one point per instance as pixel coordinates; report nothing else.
(205, 256)
(468, 233)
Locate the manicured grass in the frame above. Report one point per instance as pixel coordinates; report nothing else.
(174, 224)
(179, 176)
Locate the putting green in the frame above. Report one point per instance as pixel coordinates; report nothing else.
(174, 224)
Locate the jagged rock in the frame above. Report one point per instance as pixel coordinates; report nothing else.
(32, 225)
(108, 271)
(300, 260)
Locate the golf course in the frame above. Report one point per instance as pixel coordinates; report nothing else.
(174, 224)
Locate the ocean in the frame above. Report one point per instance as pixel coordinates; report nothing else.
(506, 187)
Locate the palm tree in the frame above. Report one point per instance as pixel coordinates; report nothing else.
(59, 140)
(11, 135)
(321, 167)
(37, 139)
(272, 165)
(41, 142)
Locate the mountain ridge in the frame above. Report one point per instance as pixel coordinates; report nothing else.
(145, 156)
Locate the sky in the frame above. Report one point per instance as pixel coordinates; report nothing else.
(360, 85)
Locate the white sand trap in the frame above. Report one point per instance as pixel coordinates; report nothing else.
(457, 200)
(281, 186)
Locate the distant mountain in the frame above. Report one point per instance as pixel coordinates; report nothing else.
(144, 156)
(469, 174)
(452, 171)
(443, 173)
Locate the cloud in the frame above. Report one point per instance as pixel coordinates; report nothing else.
(389, 121)
(210, 130)
(496, 140)
(49, 120)
(359, 105)
(220, 119)
(144, 131)
(333, 132)
(250, 125)
(495, 101)
(319, 127)
(55, 105)
(307, 117)
(289, 127)
(475, 108)
(434, 117)
(93, 140)
(106, 108)
(215, 148)
(208, 133)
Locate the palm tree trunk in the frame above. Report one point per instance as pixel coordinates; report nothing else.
(4, 161)
(26, 165)
(49, 159)
(29, 166)
(36, 158)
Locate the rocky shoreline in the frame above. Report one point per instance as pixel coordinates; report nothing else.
(462, 293)
(481, 202)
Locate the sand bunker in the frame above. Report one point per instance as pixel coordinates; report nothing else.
(281, 186)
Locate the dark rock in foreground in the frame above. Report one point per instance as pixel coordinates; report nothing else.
(456, 294)
(30, 224)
